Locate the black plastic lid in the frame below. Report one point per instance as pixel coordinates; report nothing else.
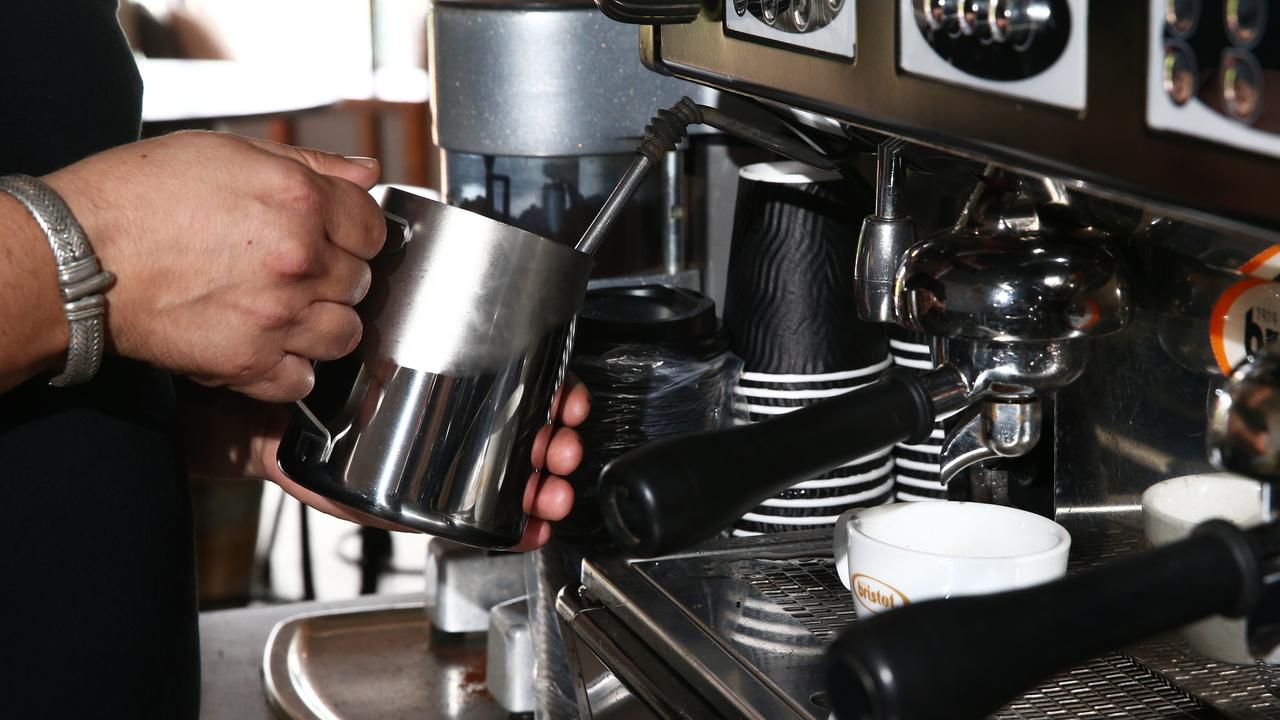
(673, 318)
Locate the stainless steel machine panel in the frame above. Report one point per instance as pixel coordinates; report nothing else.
(1106, 142)
(1031, 49)
(1187, 94)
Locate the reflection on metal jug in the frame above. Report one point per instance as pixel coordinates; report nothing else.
(431, 422)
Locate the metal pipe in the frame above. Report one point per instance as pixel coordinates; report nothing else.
(673, 257)
(888, 177)
(613, 206)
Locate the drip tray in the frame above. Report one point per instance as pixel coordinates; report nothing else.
(747, 620)
(384, 663)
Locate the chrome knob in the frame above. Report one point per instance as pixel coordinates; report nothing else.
(1181, 17)
(1014, 22)
(1246, 20)
(974, 19)
(976, 286)
(1244, 421)
(940, 15)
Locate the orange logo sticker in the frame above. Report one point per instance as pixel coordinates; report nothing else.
(1246, 316)
(877, 595)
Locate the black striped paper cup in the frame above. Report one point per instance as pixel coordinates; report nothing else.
(791, 313)
(815, 503)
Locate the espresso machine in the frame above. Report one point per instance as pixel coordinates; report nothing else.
(1097, 306)
(1070, 220)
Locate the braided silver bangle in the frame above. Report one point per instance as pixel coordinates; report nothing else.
(81, 281)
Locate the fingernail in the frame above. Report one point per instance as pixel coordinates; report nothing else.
(365, 161)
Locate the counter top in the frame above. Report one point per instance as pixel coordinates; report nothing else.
(231, 646)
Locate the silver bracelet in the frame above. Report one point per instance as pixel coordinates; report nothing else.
(82, 283)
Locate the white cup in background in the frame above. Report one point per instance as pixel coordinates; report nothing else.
(894, 555)
(1171, 508)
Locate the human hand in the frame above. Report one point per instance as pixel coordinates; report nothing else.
(557, 451)
(238, 261)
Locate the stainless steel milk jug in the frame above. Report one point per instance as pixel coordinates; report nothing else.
(431, 422)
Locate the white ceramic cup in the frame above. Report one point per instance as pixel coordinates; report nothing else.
(894, 555)
(1170, 509)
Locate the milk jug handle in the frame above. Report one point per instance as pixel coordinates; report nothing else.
(304, 416)
(399, 232)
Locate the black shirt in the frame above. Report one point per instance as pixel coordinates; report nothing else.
(97, 586)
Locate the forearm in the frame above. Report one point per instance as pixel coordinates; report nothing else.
(33, 327)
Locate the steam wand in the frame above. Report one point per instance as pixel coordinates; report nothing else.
(665, 131)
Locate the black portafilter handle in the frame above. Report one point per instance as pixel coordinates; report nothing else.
(677, 491)
(967, 657)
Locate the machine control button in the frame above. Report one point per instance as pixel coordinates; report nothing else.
(1181, 17)
(1213, 72)
(996, 39)
(1242, 86)
(828, 27)
(940, 16)
(1246, 21)
(1015, 22)
(800, 14)
(974, 20)
(1181, 74)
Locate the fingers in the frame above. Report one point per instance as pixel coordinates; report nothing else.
(564, 452)
(540, 444)
(575, 402)
(536, 534)
(290, 379)
(352, 220)
(546, 501)
(343, 278)
(549, 497)
(364, 172)
(324, 331)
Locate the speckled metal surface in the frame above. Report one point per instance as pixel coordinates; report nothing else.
(541, 80)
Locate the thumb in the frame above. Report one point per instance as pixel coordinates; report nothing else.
(361, 171)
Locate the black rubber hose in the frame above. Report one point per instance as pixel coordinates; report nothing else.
(967, 657)
(677, 491)
(666, 130)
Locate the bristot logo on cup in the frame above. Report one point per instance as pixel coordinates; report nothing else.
(877, 595)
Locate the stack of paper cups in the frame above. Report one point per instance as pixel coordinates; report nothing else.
(792, 317)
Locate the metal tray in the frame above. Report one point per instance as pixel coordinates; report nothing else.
(383, 663)
(746, 622)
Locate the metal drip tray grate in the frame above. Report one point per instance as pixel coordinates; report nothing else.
(1117, 685)
(809, 590)
(1113, 686)
(762, 611)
